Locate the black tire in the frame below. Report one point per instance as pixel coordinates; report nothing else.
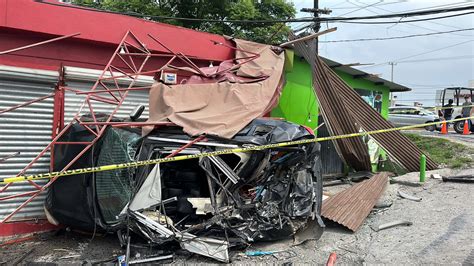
(459, 127)
(430, 128)
(438, 126)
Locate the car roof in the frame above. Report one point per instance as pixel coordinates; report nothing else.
(404, 107)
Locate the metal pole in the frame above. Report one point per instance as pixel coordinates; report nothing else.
(422, 168)
(38, 43)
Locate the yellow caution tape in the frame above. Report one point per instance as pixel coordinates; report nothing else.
(207, 154)
(442, 108)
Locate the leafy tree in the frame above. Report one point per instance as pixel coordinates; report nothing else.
(215, 10)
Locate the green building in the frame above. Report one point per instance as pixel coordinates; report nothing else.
(298, 103)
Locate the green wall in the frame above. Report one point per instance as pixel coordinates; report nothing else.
(298, 103)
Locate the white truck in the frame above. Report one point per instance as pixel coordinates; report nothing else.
(457, 94)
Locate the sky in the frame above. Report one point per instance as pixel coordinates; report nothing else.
(446, 60)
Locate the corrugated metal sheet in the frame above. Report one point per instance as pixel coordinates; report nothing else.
(397, 145)
(345, 111)
(339, 120)
(26, 130)
(351, 206)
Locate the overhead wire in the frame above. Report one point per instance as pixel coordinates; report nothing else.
(423, 53)
(307, 19)
(405, 23)
(423, 27)
(396, 37)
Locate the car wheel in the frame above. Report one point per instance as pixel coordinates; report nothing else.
(437, 126)
(430, 127)
(459, 127)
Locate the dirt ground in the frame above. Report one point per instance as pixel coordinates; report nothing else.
(442, 233)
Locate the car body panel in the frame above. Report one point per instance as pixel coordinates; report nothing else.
(410, 115)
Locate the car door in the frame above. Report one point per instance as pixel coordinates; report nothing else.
(396, 117)
(413, 116)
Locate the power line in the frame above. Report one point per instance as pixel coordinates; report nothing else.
(437, 59)
(427, 52)
(405, 21)
(307, 19)
(361, 8)
(432, 22)
(397, 37)
(433, 85)
(381, 3)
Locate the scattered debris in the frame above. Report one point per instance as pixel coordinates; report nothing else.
(334, 183)
(332, 259)
(382, 205)
(21, 257)
(459, 179)
(351, 206)
(408, 196)
(148, 260)
(436, 176)
(2, 159)
(282, 254)
(405, 183)
(391, 224)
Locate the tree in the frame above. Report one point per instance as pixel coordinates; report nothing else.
(212, 9)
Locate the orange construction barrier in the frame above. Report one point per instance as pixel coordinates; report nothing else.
(444, 128)
(466, 130)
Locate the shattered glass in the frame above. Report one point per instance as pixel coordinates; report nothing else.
(113, 188)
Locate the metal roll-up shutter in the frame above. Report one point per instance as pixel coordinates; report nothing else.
(83, 80)
(26, 130)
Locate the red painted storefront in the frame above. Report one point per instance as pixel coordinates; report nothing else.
(23, 22)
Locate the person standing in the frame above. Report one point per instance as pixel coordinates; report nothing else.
(448, 110)
(467, 110)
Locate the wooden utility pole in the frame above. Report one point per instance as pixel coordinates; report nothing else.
(317, 24)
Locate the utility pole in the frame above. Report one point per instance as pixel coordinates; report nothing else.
(317, 24)
(392, 64)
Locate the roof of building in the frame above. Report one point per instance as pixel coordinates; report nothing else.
(56, 18)
(394, 87)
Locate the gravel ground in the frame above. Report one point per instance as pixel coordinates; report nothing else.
(442, 233)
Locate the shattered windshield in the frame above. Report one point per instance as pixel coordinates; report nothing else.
(113, 189)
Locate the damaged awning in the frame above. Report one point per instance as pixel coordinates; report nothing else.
(228, 99)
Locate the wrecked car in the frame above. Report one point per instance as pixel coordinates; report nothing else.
(207, 204)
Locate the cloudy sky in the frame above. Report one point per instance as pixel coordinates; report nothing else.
(425, 64)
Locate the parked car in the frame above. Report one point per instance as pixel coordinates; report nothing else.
(411, 115)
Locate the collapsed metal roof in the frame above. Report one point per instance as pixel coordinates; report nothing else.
(394, 87)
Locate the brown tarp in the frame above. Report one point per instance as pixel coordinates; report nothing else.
(222, 108)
